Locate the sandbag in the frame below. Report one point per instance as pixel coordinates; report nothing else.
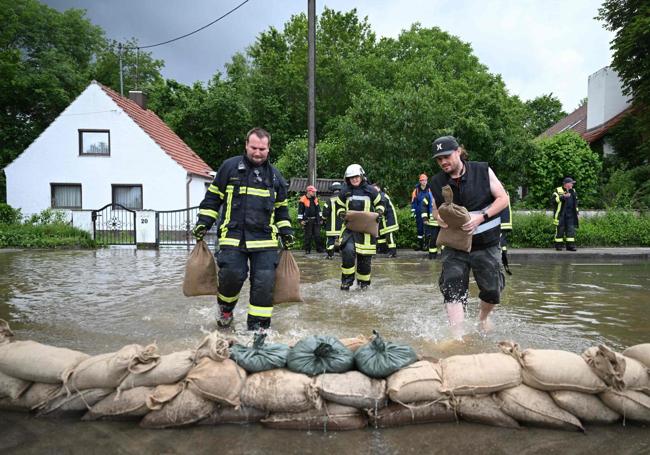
(128, 405)
(479, 373)
(36, 362)
(355, 343)
(280, 390)
(640, 352)
(380, 359)
(200, 272)
(535, 408)
(630, 404)
(396, 415)
(6, 335)
(419, 381)
(454, 216)
(319, 354)
(109, 370)
(260, 356)
(352, 389)
(549, 369)
(585, 406)
(215, 346)
(76, 404)
(331, 417)
(12, 387)
(616, 370)
(362, 222)
(287, 280)
(162, 395)
(170, 369)
(35, 396)
(483, 409)
(185, 409)
(217, 381)
(229, 414)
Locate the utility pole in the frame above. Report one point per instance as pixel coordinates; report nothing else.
(119, 49)
(311, 107)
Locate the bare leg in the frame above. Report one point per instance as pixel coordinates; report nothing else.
(485, 324)
(456, 315)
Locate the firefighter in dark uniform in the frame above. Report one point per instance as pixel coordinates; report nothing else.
(421, 209)
(477, 188)
(333, 223)
(309, 217)
(357, 247)
(565, 215)
(506, 229)
(248, 200)
(389, 225)
(431, 227)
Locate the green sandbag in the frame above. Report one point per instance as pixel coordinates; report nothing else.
(320, 354)
(380, 359)
(260, 356)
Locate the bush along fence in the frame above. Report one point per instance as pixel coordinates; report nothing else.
(325, 383)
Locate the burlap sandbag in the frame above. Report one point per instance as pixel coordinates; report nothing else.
(217, 381)
(419, 381)
(630, 404)
(200, 272)
(185, 409)
(549, 369)
(331, 417)
(287, 280)
(396, 415)
(6, 335)
(69, 405)
(362, 222)
(37, 362)
(536, 408)
(352, 389)
(128, 405)
(109, 370)
(170, 369)
(12, 387)
(585, 406)
(640, 352)
(618, 371)
(483, 409)
(454, 216)
(479, 373)
(215, 346)
(230, 414)
(355, 343)
(32, 398)
(280, 390)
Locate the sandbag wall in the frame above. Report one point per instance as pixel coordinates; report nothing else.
(510, 388)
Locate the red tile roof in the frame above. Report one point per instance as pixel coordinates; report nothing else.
(596, 133)
(161, 134)
(575, 121)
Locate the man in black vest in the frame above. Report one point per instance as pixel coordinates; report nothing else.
(477, 188)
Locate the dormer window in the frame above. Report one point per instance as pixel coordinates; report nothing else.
(94, 143)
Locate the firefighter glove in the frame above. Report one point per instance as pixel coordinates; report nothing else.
(199, 231)
(287, 241)
(341, 214)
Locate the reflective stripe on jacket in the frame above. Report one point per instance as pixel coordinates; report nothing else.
(333, 222)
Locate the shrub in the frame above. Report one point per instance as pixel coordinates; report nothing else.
(44, 236)
(9, 215)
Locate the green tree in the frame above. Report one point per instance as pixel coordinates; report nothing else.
(565, 154)
(542, 113)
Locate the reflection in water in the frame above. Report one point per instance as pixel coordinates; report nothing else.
(98, 301)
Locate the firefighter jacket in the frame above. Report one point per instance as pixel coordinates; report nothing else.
(565, 209)
(389, 222)
(333, 223)
(506, 218)
(249, 203)
(362, 198)
(422, 202)
(308, 209)
(472, 191)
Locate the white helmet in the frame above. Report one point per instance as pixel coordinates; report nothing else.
(353, 170)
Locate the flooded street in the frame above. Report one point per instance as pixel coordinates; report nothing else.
(99, 301)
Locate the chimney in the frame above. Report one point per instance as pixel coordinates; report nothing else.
(139, 97)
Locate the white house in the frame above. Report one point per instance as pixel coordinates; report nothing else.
(104, 148)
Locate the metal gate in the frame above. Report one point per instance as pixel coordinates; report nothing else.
(114, 224)
(174, 227)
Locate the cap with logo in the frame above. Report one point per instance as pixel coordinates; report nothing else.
(444, 146)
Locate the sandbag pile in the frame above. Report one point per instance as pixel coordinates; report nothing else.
(209, 386)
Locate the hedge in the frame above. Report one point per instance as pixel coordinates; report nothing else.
(44, 236)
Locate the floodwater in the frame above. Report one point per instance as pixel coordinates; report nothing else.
(99, 301)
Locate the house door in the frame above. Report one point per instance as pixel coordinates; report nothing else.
(114, 224)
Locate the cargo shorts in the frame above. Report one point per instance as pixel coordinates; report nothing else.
(488, 273)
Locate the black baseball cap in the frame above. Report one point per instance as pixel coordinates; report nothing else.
(444, 146)
(568, 180)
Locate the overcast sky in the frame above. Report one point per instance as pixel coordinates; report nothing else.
(538, 46)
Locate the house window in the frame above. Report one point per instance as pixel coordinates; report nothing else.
(94, 142)
(129, 196)
(65, 195)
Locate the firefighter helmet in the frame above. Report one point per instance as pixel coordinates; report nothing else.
(353, 170)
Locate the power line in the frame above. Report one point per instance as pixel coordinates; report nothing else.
(195, 31)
